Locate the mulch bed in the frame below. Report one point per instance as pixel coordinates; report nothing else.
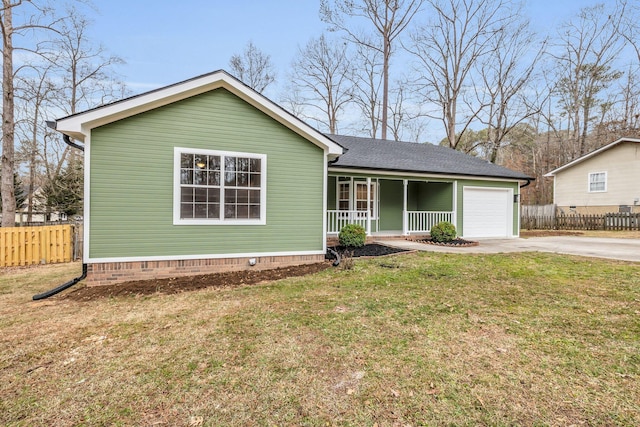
(370, 250)
(176, 285)
(457, 243)
(232, 279)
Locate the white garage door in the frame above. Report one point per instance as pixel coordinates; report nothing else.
(487, 212)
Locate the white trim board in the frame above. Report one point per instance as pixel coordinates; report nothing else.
(78, 126)
(401, 175)
(177, 220)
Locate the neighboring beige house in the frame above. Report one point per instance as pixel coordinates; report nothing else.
(39, 212)
(605, 180)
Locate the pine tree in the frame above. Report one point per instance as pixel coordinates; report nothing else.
(64, 192)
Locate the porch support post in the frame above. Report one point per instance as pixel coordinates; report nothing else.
(455, 206)
(405, 215)
(368, 206)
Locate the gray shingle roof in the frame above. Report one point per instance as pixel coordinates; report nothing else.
(369, 153)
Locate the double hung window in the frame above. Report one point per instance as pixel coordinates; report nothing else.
(597, 182)
(219, 187)
(352, 195)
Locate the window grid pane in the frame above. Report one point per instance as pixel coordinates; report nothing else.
(202, 178)
(597, 181)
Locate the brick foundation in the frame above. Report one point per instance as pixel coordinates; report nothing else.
(109, 273)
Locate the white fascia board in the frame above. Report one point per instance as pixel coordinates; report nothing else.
(79, 125)
(589, 155)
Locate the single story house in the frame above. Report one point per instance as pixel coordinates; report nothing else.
(207, 175)
(39, 212)
(604, 181)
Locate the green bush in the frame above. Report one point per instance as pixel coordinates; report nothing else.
(443, 232)
(352, 236)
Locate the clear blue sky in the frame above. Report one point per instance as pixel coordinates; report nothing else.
(166, 41)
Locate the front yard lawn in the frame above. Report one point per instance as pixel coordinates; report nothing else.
(418, 339)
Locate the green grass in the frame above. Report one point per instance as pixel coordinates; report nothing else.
(421, 339)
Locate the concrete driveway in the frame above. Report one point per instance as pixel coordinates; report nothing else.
(599, 247)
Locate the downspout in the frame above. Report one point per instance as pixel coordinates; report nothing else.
(71, 282)
(66, 139)
(527, 183)
(337, 260)
(62, 287)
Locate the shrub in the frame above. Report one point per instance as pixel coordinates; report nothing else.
(443, 232)
(352, 236)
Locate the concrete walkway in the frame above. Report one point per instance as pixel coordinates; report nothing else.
(611, 248)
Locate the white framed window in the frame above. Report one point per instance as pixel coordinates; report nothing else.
(219, 187)
(351, 194)
(344, 195)
(360, 196)
(597, 182)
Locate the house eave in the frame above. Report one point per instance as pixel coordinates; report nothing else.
(589, 155)
(78, 126)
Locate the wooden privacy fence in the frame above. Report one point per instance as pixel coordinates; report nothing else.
(36, 245)
(609, 221)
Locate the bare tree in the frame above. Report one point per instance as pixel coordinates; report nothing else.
(87, 68)
(389, 19)
(322, 74)
(87, 71)
(506, 73)
(587, 49)
(629, 28)
(35, 14)
(406, 123)
(630, 111)
(35, 92)
(367, 84)
(253, 68)
(448, 50)
(8, 126)
(622, 118)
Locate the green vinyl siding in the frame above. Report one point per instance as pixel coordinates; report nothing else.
(131, 181)
(435, 196)
(492, 184)
(391, 201)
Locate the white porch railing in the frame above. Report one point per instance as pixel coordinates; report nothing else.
(422, 221)
(338, 219)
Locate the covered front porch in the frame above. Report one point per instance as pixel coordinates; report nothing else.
(386, 206)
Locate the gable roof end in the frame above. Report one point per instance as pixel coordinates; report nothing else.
(79, 125)
(591, 154)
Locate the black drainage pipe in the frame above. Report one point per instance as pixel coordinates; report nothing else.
(335, 254)
(62, 287)
(71, 143)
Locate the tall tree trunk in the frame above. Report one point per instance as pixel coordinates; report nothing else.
(385, 86)
(8, 125)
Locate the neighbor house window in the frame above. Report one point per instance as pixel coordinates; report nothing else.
(219, 187)
(597, 182)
